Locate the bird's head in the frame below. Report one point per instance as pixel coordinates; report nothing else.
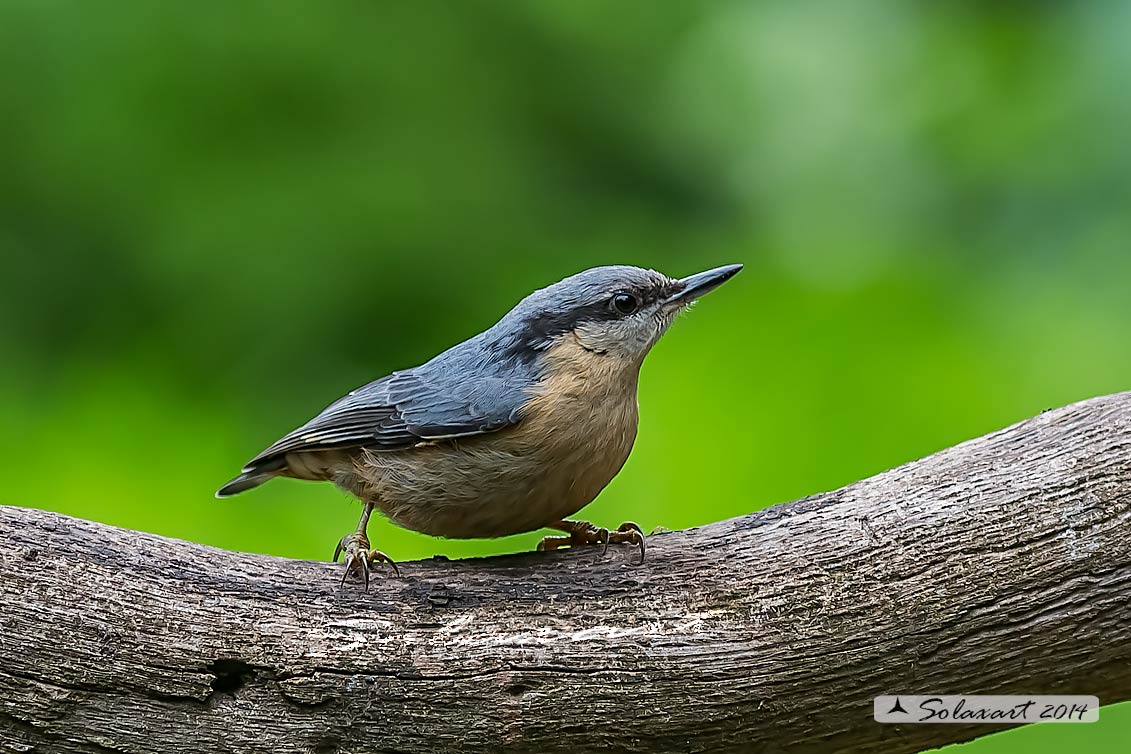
(618, 312)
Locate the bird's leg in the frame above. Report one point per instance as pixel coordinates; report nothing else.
(585, 533)
(359, 557)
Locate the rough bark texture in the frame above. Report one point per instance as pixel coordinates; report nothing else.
(1002, 565)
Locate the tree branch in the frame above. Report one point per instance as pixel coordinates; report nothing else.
(1002, 565)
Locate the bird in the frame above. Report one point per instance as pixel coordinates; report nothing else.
(514, 430)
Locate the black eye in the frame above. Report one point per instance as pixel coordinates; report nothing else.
(625, 303)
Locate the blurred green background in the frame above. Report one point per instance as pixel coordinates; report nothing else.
(216, 218)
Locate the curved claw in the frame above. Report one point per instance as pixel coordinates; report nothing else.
(345, 571)
(582, 533)
(637, 536)
(360, 558)
(378, 556)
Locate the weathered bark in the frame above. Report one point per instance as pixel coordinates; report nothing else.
(1002, 565)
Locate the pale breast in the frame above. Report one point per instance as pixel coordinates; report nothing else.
(576, 432)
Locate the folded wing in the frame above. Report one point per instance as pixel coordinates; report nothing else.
(404, 409)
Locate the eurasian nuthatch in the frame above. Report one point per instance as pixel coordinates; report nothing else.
(510, 431)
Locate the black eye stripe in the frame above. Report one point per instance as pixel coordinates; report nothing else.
(540, 329)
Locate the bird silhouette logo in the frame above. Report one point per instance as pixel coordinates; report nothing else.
(897, 707)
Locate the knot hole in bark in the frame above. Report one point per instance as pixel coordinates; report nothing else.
(230, 675)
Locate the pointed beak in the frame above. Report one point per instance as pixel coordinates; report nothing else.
(693, 286)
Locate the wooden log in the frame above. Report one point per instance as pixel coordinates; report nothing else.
(1002, 565)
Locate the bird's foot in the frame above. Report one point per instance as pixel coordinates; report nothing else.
(359, 557)
(585, 533)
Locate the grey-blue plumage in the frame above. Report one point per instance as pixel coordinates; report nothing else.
(477, 386)
(564, 359)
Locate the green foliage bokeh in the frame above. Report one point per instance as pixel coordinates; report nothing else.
(216, 218)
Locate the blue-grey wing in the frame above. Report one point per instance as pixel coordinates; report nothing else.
(407, 408)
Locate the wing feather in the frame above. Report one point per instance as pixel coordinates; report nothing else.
(405, 408)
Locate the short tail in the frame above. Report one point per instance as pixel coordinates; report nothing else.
(243, 483)
(252, 476)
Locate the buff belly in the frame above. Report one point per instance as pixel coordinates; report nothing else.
(575, 434)
(478, 489)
